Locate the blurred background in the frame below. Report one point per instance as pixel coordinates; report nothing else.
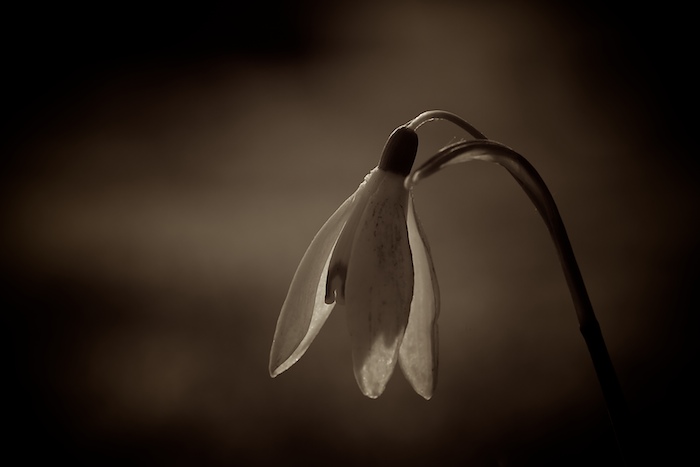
(164, 170)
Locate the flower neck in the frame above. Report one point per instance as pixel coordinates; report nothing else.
(400, 151)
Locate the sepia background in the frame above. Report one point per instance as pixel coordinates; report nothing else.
(164, 171)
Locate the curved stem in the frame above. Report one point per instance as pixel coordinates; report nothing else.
(528, 178)
(425, 117)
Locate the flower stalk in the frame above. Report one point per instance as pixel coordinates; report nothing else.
(527, 177)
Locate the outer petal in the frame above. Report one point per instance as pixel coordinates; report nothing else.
(379, 285)
(338, 268)
(304, 310)
(418, 355)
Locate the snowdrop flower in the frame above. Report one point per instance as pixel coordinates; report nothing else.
(370, 260)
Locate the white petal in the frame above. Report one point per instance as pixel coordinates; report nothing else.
(337, 270)
(418, 355)
(304, 310)
(379, 285)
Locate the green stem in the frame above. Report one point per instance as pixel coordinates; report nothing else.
(534, 186)
(430, 115)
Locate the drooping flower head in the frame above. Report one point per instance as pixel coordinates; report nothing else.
(370, 260)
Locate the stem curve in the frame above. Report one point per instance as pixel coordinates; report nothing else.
(533, 185)
(430, 115)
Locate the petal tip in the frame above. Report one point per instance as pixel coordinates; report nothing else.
(277, 368)
(372, 393)
(371, 387)
(274, 369)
